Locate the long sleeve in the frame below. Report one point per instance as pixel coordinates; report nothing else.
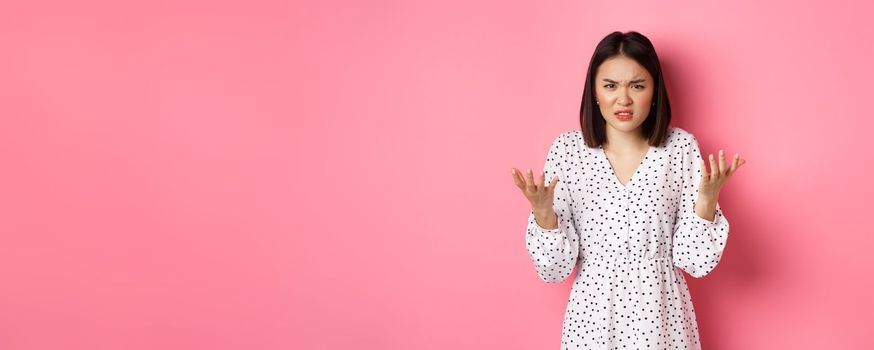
(697, 243)
(554, 252)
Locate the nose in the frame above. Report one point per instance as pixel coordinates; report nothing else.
(624, 99)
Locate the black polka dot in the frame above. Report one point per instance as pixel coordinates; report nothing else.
(629, 244)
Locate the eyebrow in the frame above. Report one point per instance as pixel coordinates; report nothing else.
(633, 81)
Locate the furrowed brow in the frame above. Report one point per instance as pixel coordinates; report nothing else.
(633, 81)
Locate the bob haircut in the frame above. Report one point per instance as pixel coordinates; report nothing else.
(637, 47)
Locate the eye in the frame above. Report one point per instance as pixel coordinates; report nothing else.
(608, 85)
(641, 86)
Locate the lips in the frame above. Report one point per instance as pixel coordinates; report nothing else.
(623, 115)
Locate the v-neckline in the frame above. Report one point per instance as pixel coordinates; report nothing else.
(633, 175)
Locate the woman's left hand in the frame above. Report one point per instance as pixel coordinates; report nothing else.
(713, 180)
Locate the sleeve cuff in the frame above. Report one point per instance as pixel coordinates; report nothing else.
(693, 216)
(541, 229)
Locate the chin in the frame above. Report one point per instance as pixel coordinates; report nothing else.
(625, 125)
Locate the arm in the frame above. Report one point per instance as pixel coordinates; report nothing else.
(554, 251)
(698, 242)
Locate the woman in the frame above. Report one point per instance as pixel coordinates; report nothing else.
(630, 204)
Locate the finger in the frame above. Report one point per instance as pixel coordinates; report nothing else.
(542, 181)
(733, 165)
(530, 178)
(552, 185)
(705, 176)
(740, 161)
(517, 179)
(723, 169)
(714, 169)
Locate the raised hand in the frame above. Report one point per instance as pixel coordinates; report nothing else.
(538, 193)
(713, 180)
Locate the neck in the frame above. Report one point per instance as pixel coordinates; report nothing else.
(625, 141)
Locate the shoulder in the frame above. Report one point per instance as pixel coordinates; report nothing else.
(680, 138)
(571, 135)
(562, 139)
(567, 144)
(569, 140)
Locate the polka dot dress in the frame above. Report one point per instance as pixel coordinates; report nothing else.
(628, 242)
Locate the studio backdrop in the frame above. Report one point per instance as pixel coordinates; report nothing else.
(336, 174)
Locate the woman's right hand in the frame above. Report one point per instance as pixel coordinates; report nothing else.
(539, 195)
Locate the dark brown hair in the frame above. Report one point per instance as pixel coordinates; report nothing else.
(637, 47)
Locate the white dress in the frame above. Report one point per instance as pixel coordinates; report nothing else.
(629, 244)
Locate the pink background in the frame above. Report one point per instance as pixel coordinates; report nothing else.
(335, 175)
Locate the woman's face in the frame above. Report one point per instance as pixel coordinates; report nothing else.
(621, 84)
